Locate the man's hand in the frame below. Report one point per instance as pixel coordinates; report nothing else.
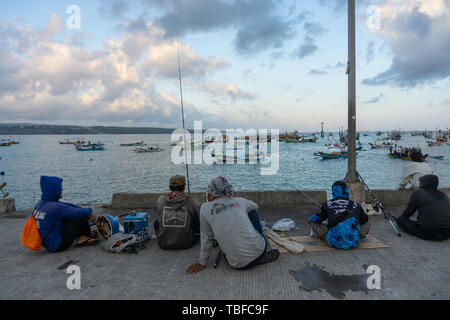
(195, 268)
(307, 220)
(92, 218)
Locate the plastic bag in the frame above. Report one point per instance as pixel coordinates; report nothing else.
(285, 224)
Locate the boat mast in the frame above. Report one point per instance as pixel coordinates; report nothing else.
(182, 114)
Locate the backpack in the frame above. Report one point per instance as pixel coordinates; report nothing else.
(30, 235)
(31, 238)
(345, 235)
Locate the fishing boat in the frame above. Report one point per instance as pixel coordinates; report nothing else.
(223, 158)
(376, 146)
(332, 155)
(148, 149)
(304, 139)
(5, 144)
(135, 144)
(405, 157)
(289, 140)
(90, 147)
(67, 141)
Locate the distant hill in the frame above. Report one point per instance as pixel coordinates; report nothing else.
(30, 129)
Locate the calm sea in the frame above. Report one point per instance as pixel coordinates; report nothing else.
(93, 177)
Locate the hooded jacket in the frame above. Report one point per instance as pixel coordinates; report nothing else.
(178, 221)
(345, 219)
(432, 205)
(49, 212)
(335, 211)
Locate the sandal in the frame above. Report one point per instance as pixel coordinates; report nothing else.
(87, 243)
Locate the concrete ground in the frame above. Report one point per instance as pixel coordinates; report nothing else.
(410, 269)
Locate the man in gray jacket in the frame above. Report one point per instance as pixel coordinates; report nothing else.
(177, 226)
(235, 225)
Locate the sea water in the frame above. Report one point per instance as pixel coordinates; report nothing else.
(92, 177)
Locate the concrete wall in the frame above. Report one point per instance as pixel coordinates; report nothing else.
(395, 197)
(282, 199)
(7, 205)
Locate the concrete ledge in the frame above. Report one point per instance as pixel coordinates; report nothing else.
(395, 197)
(7, 205)
(265, 199)
(284, 199)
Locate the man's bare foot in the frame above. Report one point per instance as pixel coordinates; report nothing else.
(82, 239)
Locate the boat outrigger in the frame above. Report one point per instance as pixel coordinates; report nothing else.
(90, 147)
(135, 144)
(332, 155)
(406, 154)
(148, 149)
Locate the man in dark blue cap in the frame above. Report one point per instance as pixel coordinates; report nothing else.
(347, 221)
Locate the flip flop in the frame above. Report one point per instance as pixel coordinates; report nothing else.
(87, 243)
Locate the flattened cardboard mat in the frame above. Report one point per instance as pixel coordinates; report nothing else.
(315, 244)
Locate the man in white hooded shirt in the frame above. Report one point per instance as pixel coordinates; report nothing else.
(414, 171)
(235, 225)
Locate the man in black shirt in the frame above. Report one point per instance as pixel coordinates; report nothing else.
(433, 206)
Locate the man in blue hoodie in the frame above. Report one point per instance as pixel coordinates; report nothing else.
(347, 221)
(59, 223)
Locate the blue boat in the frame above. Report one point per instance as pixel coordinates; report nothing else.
(332, 155)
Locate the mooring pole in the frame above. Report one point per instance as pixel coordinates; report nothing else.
(351, 176)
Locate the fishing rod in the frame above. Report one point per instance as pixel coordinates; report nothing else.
(182, 114)
(378, 206)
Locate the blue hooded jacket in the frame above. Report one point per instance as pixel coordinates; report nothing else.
(344, 218)
(49, 212)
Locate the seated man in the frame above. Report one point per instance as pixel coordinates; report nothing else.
(235, 225)
(347, 221)
(59, 223)
(433, 220)
(177, 225)
(413, 171)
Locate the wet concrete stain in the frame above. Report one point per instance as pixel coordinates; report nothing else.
(67, 264)
(313, 278)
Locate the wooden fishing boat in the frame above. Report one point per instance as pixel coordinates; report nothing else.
(332, 155)
(223, 158)
(405, 157)
(289, 140)
(375, 146)
(5, 144)
(148, 149)
(135, 144)
(89, 147)
(308, 140)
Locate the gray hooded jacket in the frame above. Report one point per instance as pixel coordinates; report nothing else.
(177, 221)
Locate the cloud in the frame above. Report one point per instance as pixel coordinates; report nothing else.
(375, 100)
(113, 8)
(308, 46)
(318, 72)
(419, 36)
(259, 24)
(48, 80)
(324, 70)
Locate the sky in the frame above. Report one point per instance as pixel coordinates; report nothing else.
(272, 64)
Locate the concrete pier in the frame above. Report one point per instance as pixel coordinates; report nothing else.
(410, 268)
(7, 205)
